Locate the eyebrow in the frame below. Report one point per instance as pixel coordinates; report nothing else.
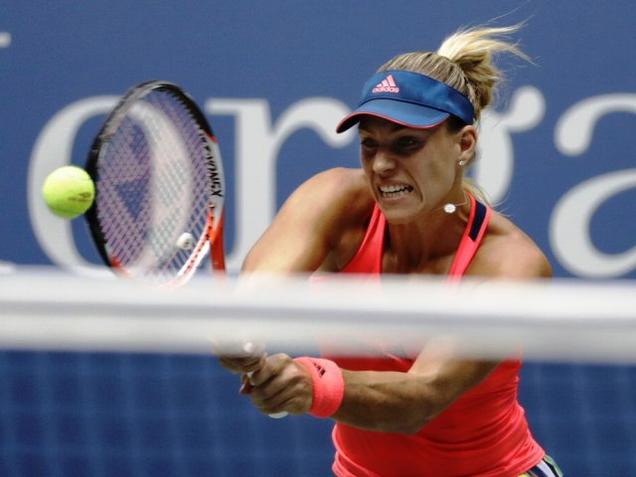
(394, 127)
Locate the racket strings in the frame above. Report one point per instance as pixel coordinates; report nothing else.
(176, 179)
(153, 187)
(121, 178)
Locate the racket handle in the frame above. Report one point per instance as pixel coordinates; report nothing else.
(275, 415)
(251, 348)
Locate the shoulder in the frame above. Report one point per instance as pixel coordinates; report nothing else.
(507, 252)
(335, 195)
(334, 185)
(310, 226)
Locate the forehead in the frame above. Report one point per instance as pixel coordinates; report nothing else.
(372, 124)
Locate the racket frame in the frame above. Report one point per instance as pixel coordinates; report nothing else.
(212, 239)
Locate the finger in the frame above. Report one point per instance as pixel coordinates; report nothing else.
(246, 386)
(268, 384)
(241, 360)
(284, 403)
(289, 383)
(270, 367)
(261, 375)
(241, 365)
(230, 365)
(253, 364)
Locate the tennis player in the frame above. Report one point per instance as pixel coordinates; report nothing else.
(407, 210)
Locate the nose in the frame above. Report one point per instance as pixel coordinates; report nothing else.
(383, 163)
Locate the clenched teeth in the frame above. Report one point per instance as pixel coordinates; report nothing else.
(394, 190)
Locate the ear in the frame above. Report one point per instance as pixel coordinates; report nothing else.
(467, 142)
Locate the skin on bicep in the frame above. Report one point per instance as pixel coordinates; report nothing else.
(311, 223)
(447, 376)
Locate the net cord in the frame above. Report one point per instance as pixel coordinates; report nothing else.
(562, 320)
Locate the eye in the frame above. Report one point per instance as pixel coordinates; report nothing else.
(368, 143)
(407, 144)
(408, 141)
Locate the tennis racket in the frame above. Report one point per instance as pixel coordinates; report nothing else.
(159, 188)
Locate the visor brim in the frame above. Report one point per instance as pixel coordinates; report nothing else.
(405, 114)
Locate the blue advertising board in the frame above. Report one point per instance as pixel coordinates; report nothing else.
(274, 78)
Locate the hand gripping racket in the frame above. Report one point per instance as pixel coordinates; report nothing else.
(159, 187)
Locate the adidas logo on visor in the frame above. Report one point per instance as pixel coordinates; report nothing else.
(387, 85)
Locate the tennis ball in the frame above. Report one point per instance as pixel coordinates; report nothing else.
(68, 191)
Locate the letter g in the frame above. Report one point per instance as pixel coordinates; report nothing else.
(570, 221)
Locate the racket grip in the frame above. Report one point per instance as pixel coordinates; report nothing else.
(275, 415)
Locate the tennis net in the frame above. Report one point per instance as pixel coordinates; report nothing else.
(110, 377)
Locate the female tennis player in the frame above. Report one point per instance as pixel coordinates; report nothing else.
(407, 210)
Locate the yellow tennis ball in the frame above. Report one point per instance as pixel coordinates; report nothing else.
(68, 191)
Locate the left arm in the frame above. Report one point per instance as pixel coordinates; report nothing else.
(376, 400)
(404, 402)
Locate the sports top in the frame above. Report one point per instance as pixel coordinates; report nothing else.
(483, 433)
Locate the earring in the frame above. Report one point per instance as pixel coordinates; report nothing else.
(462, 162)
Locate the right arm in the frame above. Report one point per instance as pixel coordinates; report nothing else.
(320, 226)
(323, 218)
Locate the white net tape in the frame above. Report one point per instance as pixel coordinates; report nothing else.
(556, 320)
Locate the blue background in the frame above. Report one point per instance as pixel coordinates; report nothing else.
(95, 414)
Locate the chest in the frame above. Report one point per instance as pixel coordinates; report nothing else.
(433, 266)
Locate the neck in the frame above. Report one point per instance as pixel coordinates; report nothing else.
(428, 240)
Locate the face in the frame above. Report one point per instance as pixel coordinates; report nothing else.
(410, 171)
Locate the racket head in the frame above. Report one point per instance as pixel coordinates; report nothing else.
(159, 186)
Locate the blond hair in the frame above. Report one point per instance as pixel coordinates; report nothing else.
(464, 62)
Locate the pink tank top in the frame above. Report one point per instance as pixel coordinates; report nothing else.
(482, 434)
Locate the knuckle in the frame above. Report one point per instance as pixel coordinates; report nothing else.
(280, 359)
(257, 398)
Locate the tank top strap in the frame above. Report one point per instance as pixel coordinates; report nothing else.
(474, 232)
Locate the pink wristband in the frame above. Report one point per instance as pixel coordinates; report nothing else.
(327, 385)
